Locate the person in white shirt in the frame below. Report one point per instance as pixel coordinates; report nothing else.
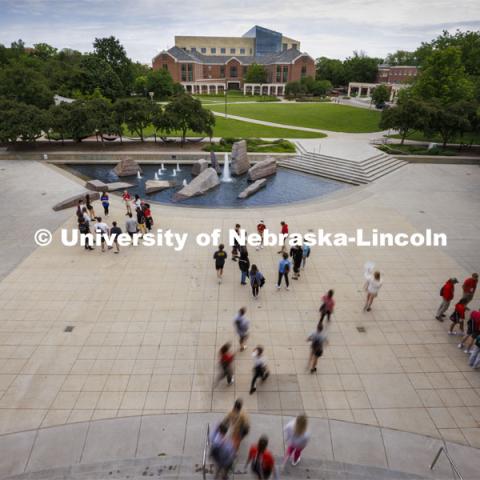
(101, 228)
(241, 325)
(260, 369)
(296, 438)
(372, 286)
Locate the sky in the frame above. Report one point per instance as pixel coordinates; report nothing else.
(331, 28)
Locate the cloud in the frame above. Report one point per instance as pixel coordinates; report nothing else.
(324, 27)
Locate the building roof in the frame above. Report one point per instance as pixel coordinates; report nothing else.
(287, 56)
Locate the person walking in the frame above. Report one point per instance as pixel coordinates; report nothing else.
(261, 460)
(137, 202)
(225, 358)
(284, 232)
(447, 293)
(88, 204)
(317, 340)
(105, 203)
(372, 286)
(257, 280)
(141, 221)
(220, 256)
(238, 422)
(115, 231)
(222, 451)
(243, 264)
(236, 244)
(84, 228)
(148, 216)
(474, 360)
(260, 230)
(296, 253)
(127, 198)
(469, 287)
(458, 316)
(242, 325)
(296, 439)
(473, 330)
(131, 225)
(327, 307)
(306, 254)
(260, 369)
(102, 229)
(283, 270)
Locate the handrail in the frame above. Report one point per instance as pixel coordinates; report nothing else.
(452, 464)
(205, 450)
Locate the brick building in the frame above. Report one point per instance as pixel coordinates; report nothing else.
(396, 74)
(203, 65)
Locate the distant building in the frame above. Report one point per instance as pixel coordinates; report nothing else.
(211, 64)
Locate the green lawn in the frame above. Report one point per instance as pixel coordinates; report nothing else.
(467, 138)
(337, 118)
(236, 128)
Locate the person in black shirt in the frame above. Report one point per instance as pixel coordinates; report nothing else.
(220, 256)
(114, 232)
(296, 253)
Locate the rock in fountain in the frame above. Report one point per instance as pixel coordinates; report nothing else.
(240, 163)
(73, 201)
(214, 162)
(253, 188)
(226, 177)
(127, 167)
(201, 184)
(152, 186)
(199, 166)
(262, 169)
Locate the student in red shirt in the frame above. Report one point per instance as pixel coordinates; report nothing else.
(263, 463)
(226, 363)
(469, 287)
(458, 316)
(473, 330)
(260, 229)
(283, 231)
(446, 292)
(127, 199)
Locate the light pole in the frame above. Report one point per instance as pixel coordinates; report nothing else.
(151, 95)
(225, 90)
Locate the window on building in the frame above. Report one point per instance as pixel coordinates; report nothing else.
(233, 71)
(213, 50)
(285, 74)
(209, 67)
(242, 51)
(187, 72)
(232, 50)
(165, 66)
(203, 50)
(251, 51)
(193, 49)
(294, 45)
(223, 50)
(279, 73)
(284, 46)
(304, 71)
(222, 71)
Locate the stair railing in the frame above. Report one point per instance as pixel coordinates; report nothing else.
(452, 464)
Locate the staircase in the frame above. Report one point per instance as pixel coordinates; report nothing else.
(343, 170)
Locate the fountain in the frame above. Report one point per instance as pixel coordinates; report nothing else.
(160, 171)
(156, 176)
(226, 177)
(174, 174)
(162, 167)
(184, 183)
(178, 167)
(138, 175)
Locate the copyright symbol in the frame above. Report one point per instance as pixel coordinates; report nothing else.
(43, 237)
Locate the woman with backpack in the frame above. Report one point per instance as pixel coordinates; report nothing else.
(328, 304)
(317, 340)
(262, 461)
(238, 423)
(225, 360)
(257, 280)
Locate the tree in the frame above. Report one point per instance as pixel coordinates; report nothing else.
(185, 113)
(443, 78)
(361, 68)
(111, 51)
(59, 117)
(19, 120)
(294, 89)
(44, 51)
(332, 70)
(401, 57)
(380, 94)
(24, 84)
(408, 115)
(80, 120)
(160, 83)
(136, 113)
(256, 74)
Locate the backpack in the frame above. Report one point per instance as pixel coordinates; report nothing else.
(442, 290)
(454, 317)
(262, 282)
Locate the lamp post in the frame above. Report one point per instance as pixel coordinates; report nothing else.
(151, 95)
(225, 90)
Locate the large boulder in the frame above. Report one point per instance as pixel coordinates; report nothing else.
(263, 169)
(253, 188)
(111, 187)
(127, 167)
(96, 186)
(152, 186)
(201, 184)
(199, 166)
(73, 201)
(240, 163)
(214, 162)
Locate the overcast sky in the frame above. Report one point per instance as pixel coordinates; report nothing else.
(332, 28)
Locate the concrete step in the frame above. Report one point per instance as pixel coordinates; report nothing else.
(330, 174)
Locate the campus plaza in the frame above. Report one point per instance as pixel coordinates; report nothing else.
(178, 241)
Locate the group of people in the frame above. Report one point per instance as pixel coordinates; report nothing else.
(226, 437)
(90, 223)
(470, 341)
